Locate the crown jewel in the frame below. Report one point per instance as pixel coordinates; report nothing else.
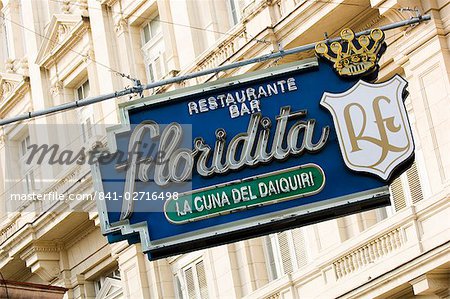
(353, 56)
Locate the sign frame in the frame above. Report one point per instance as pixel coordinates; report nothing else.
(238, 230)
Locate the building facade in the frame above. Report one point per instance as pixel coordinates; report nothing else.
(56, 51)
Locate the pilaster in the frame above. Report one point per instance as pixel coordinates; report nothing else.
(104, 49)
(11, 14)
(171, 56)
(160, 279)
(133, 272)
(427, 69)
(221, 263)
(251, 265)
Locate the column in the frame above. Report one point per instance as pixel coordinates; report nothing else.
(11, 13)
(168, 30)
(251, 265)
(3, 176)
(104, 52)
(133, 272)
(185, 36)
(34, 18)
(427, 67)
(129, 50)
(222, 265)
(160, 279)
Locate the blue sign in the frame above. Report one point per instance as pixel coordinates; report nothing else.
(247, 156)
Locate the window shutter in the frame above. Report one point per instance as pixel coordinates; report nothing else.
(89, 128)
(271, 258)
(398, 196)
(414, 184)
(151, 74)
(179, 288)
(299, 247)
(158, 69)
(285, 252)
(190, 285)
(202, 280)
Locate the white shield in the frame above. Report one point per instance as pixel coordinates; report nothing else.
(372, 126)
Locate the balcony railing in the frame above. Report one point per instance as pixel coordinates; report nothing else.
(220, 53)
(402, 238)
(369, 253)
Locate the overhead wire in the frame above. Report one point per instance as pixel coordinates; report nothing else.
(211, 30)
(59, 43)
(122, 74)
(168, 22)
(94, 62)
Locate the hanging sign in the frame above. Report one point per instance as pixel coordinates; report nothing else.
(253, 154)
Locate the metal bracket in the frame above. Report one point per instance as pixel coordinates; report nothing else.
(415, 10)
(137, 88)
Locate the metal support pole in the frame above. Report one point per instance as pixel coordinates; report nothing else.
(138, 88)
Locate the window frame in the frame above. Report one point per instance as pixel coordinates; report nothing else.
(180, 276)
(99, 282)
(235, 13)
(85, 114)
(153, 38)
(26, 171)
(273, 240)
(153, 50)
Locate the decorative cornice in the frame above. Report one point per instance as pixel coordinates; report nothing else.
(83, 8)
(107, 2)
(9, 65)
(56, 88)
(121, 26)
(65, 7)
(12, 88)
(64, 31)
(82, 232)
(43, 259)
(89, 56)
(371, 24)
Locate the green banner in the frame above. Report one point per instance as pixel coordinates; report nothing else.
(270, 188)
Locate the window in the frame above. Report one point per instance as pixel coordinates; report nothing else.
(286, 252)
(153, 49)
(86, 113)
(83, 90)
(235, 11)
(26, 169)
(190, 281)
(151, 30)
(24, 144)
(154, 69)
(108, 286)
(406, 190)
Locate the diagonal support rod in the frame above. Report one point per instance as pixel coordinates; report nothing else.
(138, 88)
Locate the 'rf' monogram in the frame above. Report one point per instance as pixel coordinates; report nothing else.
(383, 124)
(372, 126)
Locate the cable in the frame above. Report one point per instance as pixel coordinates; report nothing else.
(210, 30)
(168, 22)
(70, 49)
(237, 64)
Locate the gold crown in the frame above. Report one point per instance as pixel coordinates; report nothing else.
(352, 56)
